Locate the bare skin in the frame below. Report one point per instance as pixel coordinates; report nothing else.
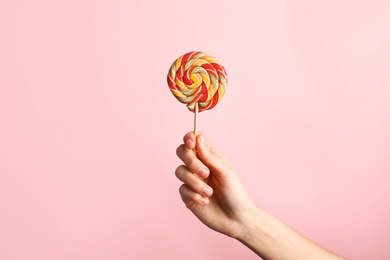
(215, 194)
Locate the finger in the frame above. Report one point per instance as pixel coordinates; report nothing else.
(189, 140)
(193, 182)
(211, 156)
(190, 197)
(192, 162)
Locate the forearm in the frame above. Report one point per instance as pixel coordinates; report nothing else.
(271, 239)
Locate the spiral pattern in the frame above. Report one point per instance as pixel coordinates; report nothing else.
(197, 77)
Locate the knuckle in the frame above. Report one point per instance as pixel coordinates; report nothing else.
(179, 150)
(214, 153)
(188, 203)
(191, 165)
(211, 155)
(177, 171)
(191, 162)
(182, 189)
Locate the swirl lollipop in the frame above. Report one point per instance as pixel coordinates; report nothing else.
(198, 80)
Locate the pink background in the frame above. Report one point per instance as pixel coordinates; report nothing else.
(89, 128)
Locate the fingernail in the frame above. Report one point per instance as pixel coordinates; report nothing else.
(189, 142)
(205, 201)
(207, 191)
(202, 140)
(203, 172)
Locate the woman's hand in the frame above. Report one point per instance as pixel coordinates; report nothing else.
(211, 188)
(213, 191)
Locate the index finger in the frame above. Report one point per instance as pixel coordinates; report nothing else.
(190, 140)
(192, 162)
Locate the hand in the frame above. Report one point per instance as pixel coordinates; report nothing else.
(213, 191)
(211, 188)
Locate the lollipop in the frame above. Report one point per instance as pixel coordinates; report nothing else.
(198, 80)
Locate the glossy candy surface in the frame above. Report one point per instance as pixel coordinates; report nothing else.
(197, 77)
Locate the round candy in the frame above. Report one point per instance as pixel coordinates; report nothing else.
(197, 77)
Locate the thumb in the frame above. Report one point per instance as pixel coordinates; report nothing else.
(211, 156)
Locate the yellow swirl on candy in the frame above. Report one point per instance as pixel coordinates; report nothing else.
(197, 77)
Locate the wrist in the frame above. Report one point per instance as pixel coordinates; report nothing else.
(264, 234)
(252, 225)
